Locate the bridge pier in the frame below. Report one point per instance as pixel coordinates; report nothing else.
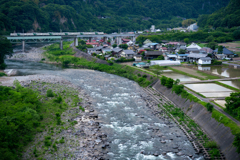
(119, 39)
(133, 39)
(90, 39)
(23, 46)
(61, 44)
(76, 41)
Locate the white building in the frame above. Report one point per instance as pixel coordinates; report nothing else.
(194, 45)
(164, 63)
(152, 29)
(204, 60)
(193, 27)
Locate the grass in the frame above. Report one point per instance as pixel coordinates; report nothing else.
(235, 129)
(227, 86)
(2, 74)
(208, 76)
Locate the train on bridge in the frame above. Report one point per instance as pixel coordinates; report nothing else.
(56, 34)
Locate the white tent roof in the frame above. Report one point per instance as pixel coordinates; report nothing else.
(194, 45)
(164, 63)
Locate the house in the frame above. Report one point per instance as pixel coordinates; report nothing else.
(163, 49)
(147, 41)
(128, 54)
(124, 41)
(194, 45)
(180, 47)
(193, 27)
(94, 44)
(193, 50)
(172, 57)
(182, 57)
(91, 50)
(206, 50)
(137, 57)
(152, 54)
(225, 54)
(204, 60)
(153, 46)
(193, 57)
(106, 50)
(116, 51)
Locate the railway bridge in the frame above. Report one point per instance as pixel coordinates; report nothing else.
(59, 36)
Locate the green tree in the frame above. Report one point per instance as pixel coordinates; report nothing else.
(209, 107)
(220, 49)
(169, 82)
(181, 51)
(236, 142)
(123, 46)
(233, 103)
(114, 45)
(186, 40)
(6, 49)
(163, 80)
(212, 45)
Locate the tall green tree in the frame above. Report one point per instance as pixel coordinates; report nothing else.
(6, 49)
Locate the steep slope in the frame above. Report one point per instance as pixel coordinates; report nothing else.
(101, 15)
(225, 17)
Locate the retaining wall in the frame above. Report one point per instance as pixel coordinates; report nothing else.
(215, 130)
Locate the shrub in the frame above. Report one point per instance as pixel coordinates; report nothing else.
(211, 144)
(163, 80)
(50, 93)
(178, 89)
(144, 76)
(58, 99)
(209, 107)
(62, 140)
(236, 142)
(169, 82)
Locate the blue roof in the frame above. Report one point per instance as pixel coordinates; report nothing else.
(153, 44)
(182, 54)
(142, 63)
(225, 51)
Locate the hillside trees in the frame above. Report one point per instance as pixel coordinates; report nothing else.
(6, 49)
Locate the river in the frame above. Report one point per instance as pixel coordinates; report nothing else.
(129, 123)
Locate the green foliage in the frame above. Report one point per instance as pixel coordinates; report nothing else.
(114, 45)
(209, 107)
(233, 104)
(50, 93)
(215, 62)
(123, 46)
(227, 17)
(220, 49)
(236, 142)
(134, 15)
(169, 83)
(6, 49)
(214, 153)
(178, 89)
(2, 74)
(163, 80)
(62, 140)
(186, 40)
(212, 45)
(19, 112)
(122, 59)
(58, 99)
(182, 51)
(211, 144)
(187, 23)
(161, 57)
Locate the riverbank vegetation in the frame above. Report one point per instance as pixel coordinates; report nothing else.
(6, 49)
(66, 58)
(24, 112)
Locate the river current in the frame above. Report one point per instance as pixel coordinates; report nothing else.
(133, 131)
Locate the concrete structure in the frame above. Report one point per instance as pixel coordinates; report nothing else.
(58, 37)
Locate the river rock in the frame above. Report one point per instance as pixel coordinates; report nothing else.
(11, 72)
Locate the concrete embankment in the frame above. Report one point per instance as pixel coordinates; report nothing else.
(215, 130)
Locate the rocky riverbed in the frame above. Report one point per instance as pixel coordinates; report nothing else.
(80, 135)
(133, 129)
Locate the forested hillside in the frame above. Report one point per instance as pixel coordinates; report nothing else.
(100, 15)
(225, 17)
